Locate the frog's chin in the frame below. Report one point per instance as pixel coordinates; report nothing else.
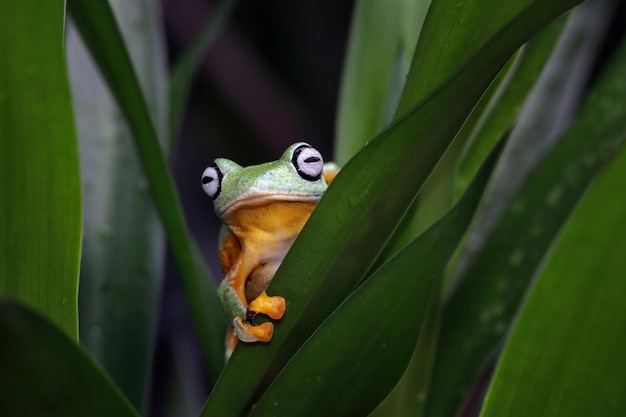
(262, 199)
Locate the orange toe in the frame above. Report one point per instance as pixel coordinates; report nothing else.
(271, 306)
(249, 333)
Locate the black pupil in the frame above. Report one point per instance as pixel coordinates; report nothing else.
(312, 159)
(206, 180)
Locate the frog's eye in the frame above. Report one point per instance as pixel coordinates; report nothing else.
(212, 181)
(308, 162)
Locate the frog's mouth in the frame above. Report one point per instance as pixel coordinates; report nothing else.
(263, 199)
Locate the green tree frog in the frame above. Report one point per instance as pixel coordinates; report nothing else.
(262, 208)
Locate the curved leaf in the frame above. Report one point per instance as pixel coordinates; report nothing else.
(99, 30)
(44, 373)
(40, 203)
(452, 33)
(358, 354)
(510, 237)
(564, 356)
(124, 244)
(507, 103)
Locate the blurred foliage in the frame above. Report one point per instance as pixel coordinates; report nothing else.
(475, 212)
(119, 283)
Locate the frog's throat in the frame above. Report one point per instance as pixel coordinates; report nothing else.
(261, 199)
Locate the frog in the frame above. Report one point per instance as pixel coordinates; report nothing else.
(263, 208)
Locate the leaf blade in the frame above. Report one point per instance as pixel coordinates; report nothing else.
(505, 107)
(40, 206)
(443, 47)
(372, 335)
(490, 287)
(99, 30)
(123, 241)
(574, 359)
(60, 379)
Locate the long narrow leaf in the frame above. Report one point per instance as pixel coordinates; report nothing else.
(124, 245)
(500, 260)
(452, 33)
(565, 353)
(99, 30)
(507, 104)
(409, 397)
(358, 354)
(40, 201)
(438, 195)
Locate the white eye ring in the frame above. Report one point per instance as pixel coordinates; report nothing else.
(308, 162)
(212, 181)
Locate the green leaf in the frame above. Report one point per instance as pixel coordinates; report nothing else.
(436, 198)
(518, 225)
(40, 203)
(564, 356)
(452, 33)
(44, 373)
(184, 69)
(124, 245)
(438, 195)
(382, 40)
(506, 105)
(99, 31)
(360, 210)
(409, 396)
(358, 354)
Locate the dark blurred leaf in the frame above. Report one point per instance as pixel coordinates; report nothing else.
(517, 227)
(565, 353)
(99, 31)
(358, 354)
(360, 210)
(44, 373)
(40, 204)
(506, 105)
(124, 246)
(184, 69)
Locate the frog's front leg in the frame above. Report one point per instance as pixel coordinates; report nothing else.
(244, 330)
(247, 331)
(232, 295)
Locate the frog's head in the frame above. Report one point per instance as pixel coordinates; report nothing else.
(296, 176)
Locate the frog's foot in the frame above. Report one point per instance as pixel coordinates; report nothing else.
(249, 332)
(271, 306)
